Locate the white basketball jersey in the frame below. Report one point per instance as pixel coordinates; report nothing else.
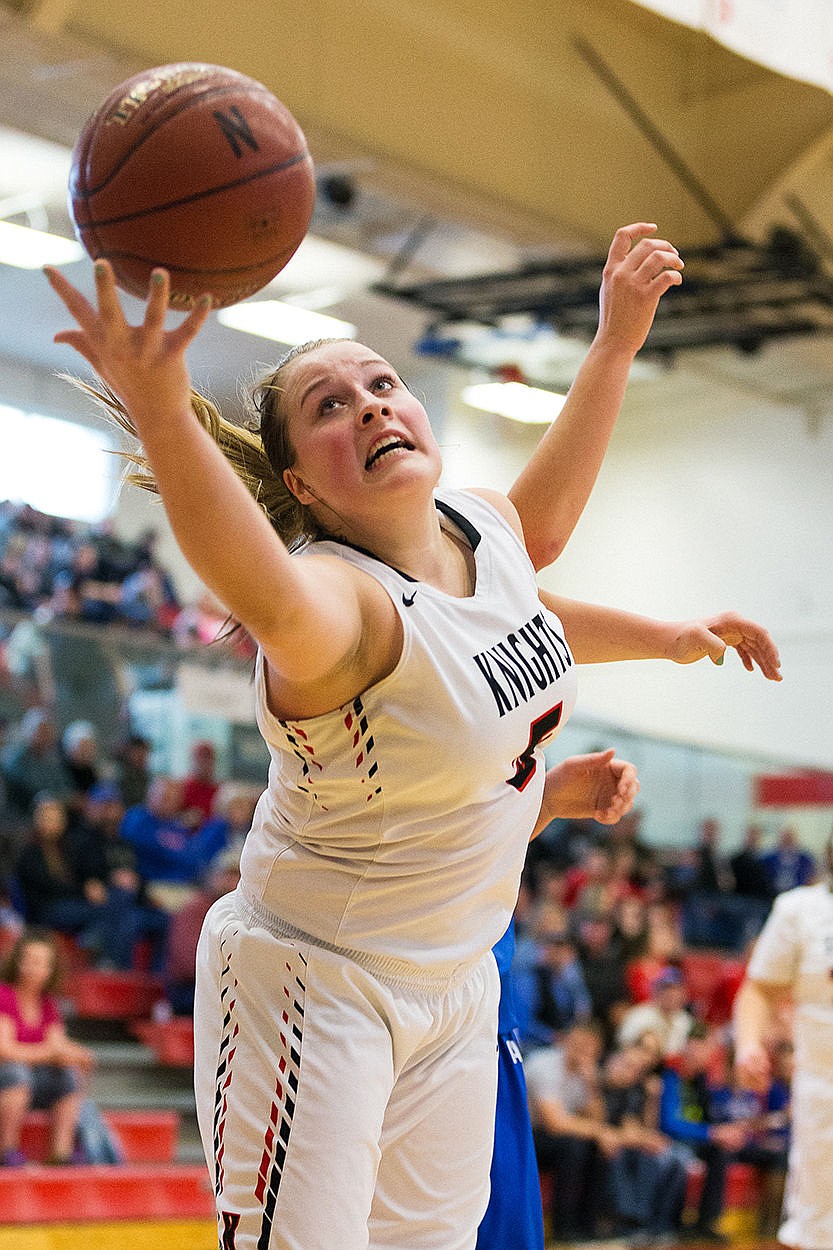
(396, 827)
(795, 948)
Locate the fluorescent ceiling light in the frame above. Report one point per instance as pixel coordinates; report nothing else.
(285, 323)
(31, 249)
(516, 401)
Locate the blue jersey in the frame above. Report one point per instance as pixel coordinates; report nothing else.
(513, 1219)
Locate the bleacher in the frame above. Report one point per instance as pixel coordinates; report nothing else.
(143, 1086)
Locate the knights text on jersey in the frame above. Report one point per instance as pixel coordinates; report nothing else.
(399, 823)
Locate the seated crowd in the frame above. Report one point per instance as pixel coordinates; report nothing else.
(120, 863)
(52, 568)
(628, 1066)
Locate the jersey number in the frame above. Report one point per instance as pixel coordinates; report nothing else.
(539, 731)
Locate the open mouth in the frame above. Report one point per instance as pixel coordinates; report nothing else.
(385, 448)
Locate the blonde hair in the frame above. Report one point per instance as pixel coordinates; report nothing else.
(258, 453)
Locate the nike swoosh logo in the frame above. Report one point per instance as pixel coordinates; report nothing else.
(409, 603)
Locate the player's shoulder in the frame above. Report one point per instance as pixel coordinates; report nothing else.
(501, 505)
(804, 900)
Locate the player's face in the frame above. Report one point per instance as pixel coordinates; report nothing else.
(355, 427)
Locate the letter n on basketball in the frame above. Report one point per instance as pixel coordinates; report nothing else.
(236, 129)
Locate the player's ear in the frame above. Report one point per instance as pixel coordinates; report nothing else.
(297, 487)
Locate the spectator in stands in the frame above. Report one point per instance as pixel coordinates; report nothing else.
(32, 764)
(79, 748)
(647, 1179)
(170, 854)
(663, 949)
(200, 785)
(132, 770)
(588, 888)
(713, 915)
(11, 921)
(57, 895)
(749, 870)
(572, 1140)
(646, 868)
(179, 967)
(108, 863)
(233, 810)
(40, 1066)
(687, 1116)
(788, 865)
(551, 995)
(712, 872)
(603, 969)
(632, 927)
(98, 585)
(665, 1015)
(148, 597)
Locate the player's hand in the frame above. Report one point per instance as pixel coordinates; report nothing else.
(729, 1136)
(143, 365)
(639, 270)
(753, 1068)
(713, 637)
(596, 786)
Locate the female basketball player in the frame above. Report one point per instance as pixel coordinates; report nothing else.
(408, 678)
(791, 967)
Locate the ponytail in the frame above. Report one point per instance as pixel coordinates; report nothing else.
(242, 447)
(258, 457)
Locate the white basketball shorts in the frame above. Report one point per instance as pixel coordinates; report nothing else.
(340, 1109)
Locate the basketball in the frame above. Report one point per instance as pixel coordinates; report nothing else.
(198, 169)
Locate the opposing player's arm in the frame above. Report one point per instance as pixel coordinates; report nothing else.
(551, 492)
(753, 1015)
(600, 635)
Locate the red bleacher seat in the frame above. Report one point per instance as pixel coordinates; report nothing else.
(40, 1195)
(172, 1041)
(702, 971)
(95, 994)
(144, 1136)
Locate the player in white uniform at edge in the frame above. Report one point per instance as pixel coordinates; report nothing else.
(408, 677)
(792, 963)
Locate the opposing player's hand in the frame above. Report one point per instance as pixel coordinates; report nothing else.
(639, 270)
(145, 364)
(596, 786)
(713, 637)
(753, 1068)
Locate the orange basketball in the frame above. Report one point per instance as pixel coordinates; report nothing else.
(198, 169)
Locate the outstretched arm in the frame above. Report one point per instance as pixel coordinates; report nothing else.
(552, 490)
(308, 615)
(600, 635)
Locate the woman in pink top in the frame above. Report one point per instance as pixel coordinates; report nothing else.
(40, 1067)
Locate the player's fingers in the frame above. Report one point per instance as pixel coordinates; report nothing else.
(78, 340)
(159, 290)
(658, 261)
(76, 303)
(105, 288)
(180, 337)
(714, 647)
(625, 238)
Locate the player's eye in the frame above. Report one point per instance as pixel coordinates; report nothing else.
(384, 382)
